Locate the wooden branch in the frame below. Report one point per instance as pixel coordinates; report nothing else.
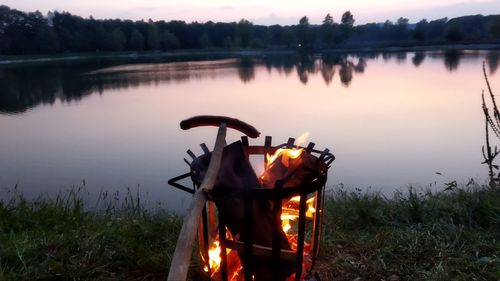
(185, 243)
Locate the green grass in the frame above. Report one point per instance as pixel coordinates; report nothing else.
(59, 240)
(452, 235)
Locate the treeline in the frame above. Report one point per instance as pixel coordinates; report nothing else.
(33, 32)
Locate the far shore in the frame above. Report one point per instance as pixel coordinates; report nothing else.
(215, 53)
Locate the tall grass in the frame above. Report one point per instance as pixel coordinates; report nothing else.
(61, 239)
(417, 235)
(421, 235)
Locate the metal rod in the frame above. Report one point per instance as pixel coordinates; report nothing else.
(206, 245)
(276, 230)
(301, 236)
(223, 249)
(248, 252)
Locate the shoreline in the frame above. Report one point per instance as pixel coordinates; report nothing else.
(29, 59)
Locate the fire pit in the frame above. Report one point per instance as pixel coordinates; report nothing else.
(261, 227)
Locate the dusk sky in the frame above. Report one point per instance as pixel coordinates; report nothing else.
(262, 11)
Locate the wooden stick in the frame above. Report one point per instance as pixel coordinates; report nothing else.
(185, 243)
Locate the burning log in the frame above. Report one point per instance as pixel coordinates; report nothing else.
(291, 166)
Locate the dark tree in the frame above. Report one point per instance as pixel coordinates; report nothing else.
(116, 40)
(346, 25)
(136, 40)
(288, 37)
(244, 31)
(347, 19)
(495, 28)
(402, 29)
(205, 41)
(169, 41)
(32, 32)
(153, 36)
(327, 30)
(454, 32)
(303, 32)
(420, 30)
(436, 29)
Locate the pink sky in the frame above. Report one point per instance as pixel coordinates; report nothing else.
(262, 11)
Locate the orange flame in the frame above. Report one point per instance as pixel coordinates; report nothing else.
(214, 255)
(285, 153)
(290, 209)
(289, 215)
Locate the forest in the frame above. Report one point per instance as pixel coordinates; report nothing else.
(61, 32)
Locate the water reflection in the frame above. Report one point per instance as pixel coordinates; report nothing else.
(401, 57)
(246, 69)
(418, 58)
(24, 87)
(492, 59)
(452, 59)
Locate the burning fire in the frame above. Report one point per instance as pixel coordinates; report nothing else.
(290, 211)
(285, 153)
(274, 169)
(234, 267)
(214, 256)
(289, 159)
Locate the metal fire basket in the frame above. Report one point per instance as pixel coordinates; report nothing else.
(308, 228)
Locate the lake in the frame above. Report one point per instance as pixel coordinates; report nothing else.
(391, 119)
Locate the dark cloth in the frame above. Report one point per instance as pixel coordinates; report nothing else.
(236, 173)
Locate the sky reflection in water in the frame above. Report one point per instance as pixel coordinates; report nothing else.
(392, 119)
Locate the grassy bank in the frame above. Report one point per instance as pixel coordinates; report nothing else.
(453, 235)
(59, 240)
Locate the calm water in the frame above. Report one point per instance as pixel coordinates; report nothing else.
(392, 120)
